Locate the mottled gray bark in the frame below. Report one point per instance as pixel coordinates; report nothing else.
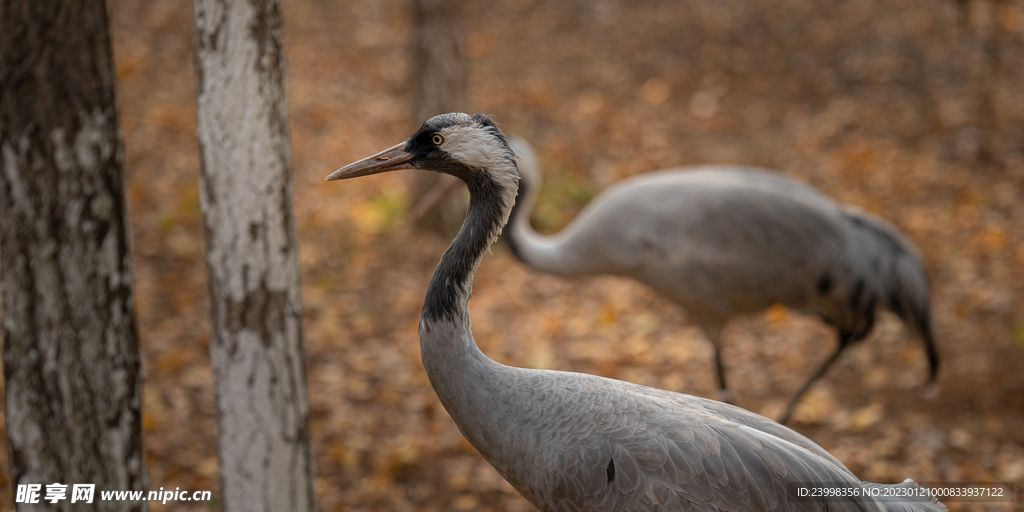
(438, 79)
(71, 357)
(251, 254)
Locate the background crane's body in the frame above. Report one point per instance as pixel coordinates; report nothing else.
(572, 441)
(729, 240)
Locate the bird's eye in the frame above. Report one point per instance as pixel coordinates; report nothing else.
(437, 139)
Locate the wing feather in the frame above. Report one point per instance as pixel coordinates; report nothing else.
(700, 456)
(644, 449)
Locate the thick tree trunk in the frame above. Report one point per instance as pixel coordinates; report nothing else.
(71, 357)
(251, 254)
(438, 77)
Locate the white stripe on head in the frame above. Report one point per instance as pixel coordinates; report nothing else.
(480, 148)
(474, 146)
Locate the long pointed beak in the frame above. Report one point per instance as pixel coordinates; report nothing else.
(391, 159)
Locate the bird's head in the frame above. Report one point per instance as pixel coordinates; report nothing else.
(469, 147)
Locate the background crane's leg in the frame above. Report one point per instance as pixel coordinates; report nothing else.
(844, 340)
(714, 335)
(931, 387)
(933, 355)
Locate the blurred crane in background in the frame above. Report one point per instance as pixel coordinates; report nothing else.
(573, 441)
(728, 240)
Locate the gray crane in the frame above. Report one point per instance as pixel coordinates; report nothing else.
(724, 240)
(577, 442)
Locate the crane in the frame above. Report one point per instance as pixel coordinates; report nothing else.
(577, 442)
(721, 241)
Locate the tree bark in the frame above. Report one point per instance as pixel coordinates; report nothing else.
(438, 87)
(71, 357)
(251, 255)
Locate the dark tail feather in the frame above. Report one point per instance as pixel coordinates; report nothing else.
(908, 293)
(910, 299)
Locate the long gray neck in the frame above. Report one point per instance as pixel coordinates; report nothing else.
(449, 289)
(472, 387)
(446, 343)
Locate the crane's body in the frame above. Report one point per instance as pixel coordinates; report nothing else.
(572, 441)
(725, 240)
(577, 442)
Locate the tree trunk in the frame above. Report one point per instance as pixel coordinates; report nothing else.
(71, 357)
(438, 87)
(251, 255)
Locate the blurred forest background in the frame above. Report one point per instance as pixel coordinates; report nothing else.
(910, 109)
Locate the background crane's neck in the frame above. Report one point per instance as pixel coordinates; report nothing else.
(520, 235)
(544, 253)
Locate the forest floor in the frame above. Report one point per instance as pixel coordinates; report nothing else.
(910, 110)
